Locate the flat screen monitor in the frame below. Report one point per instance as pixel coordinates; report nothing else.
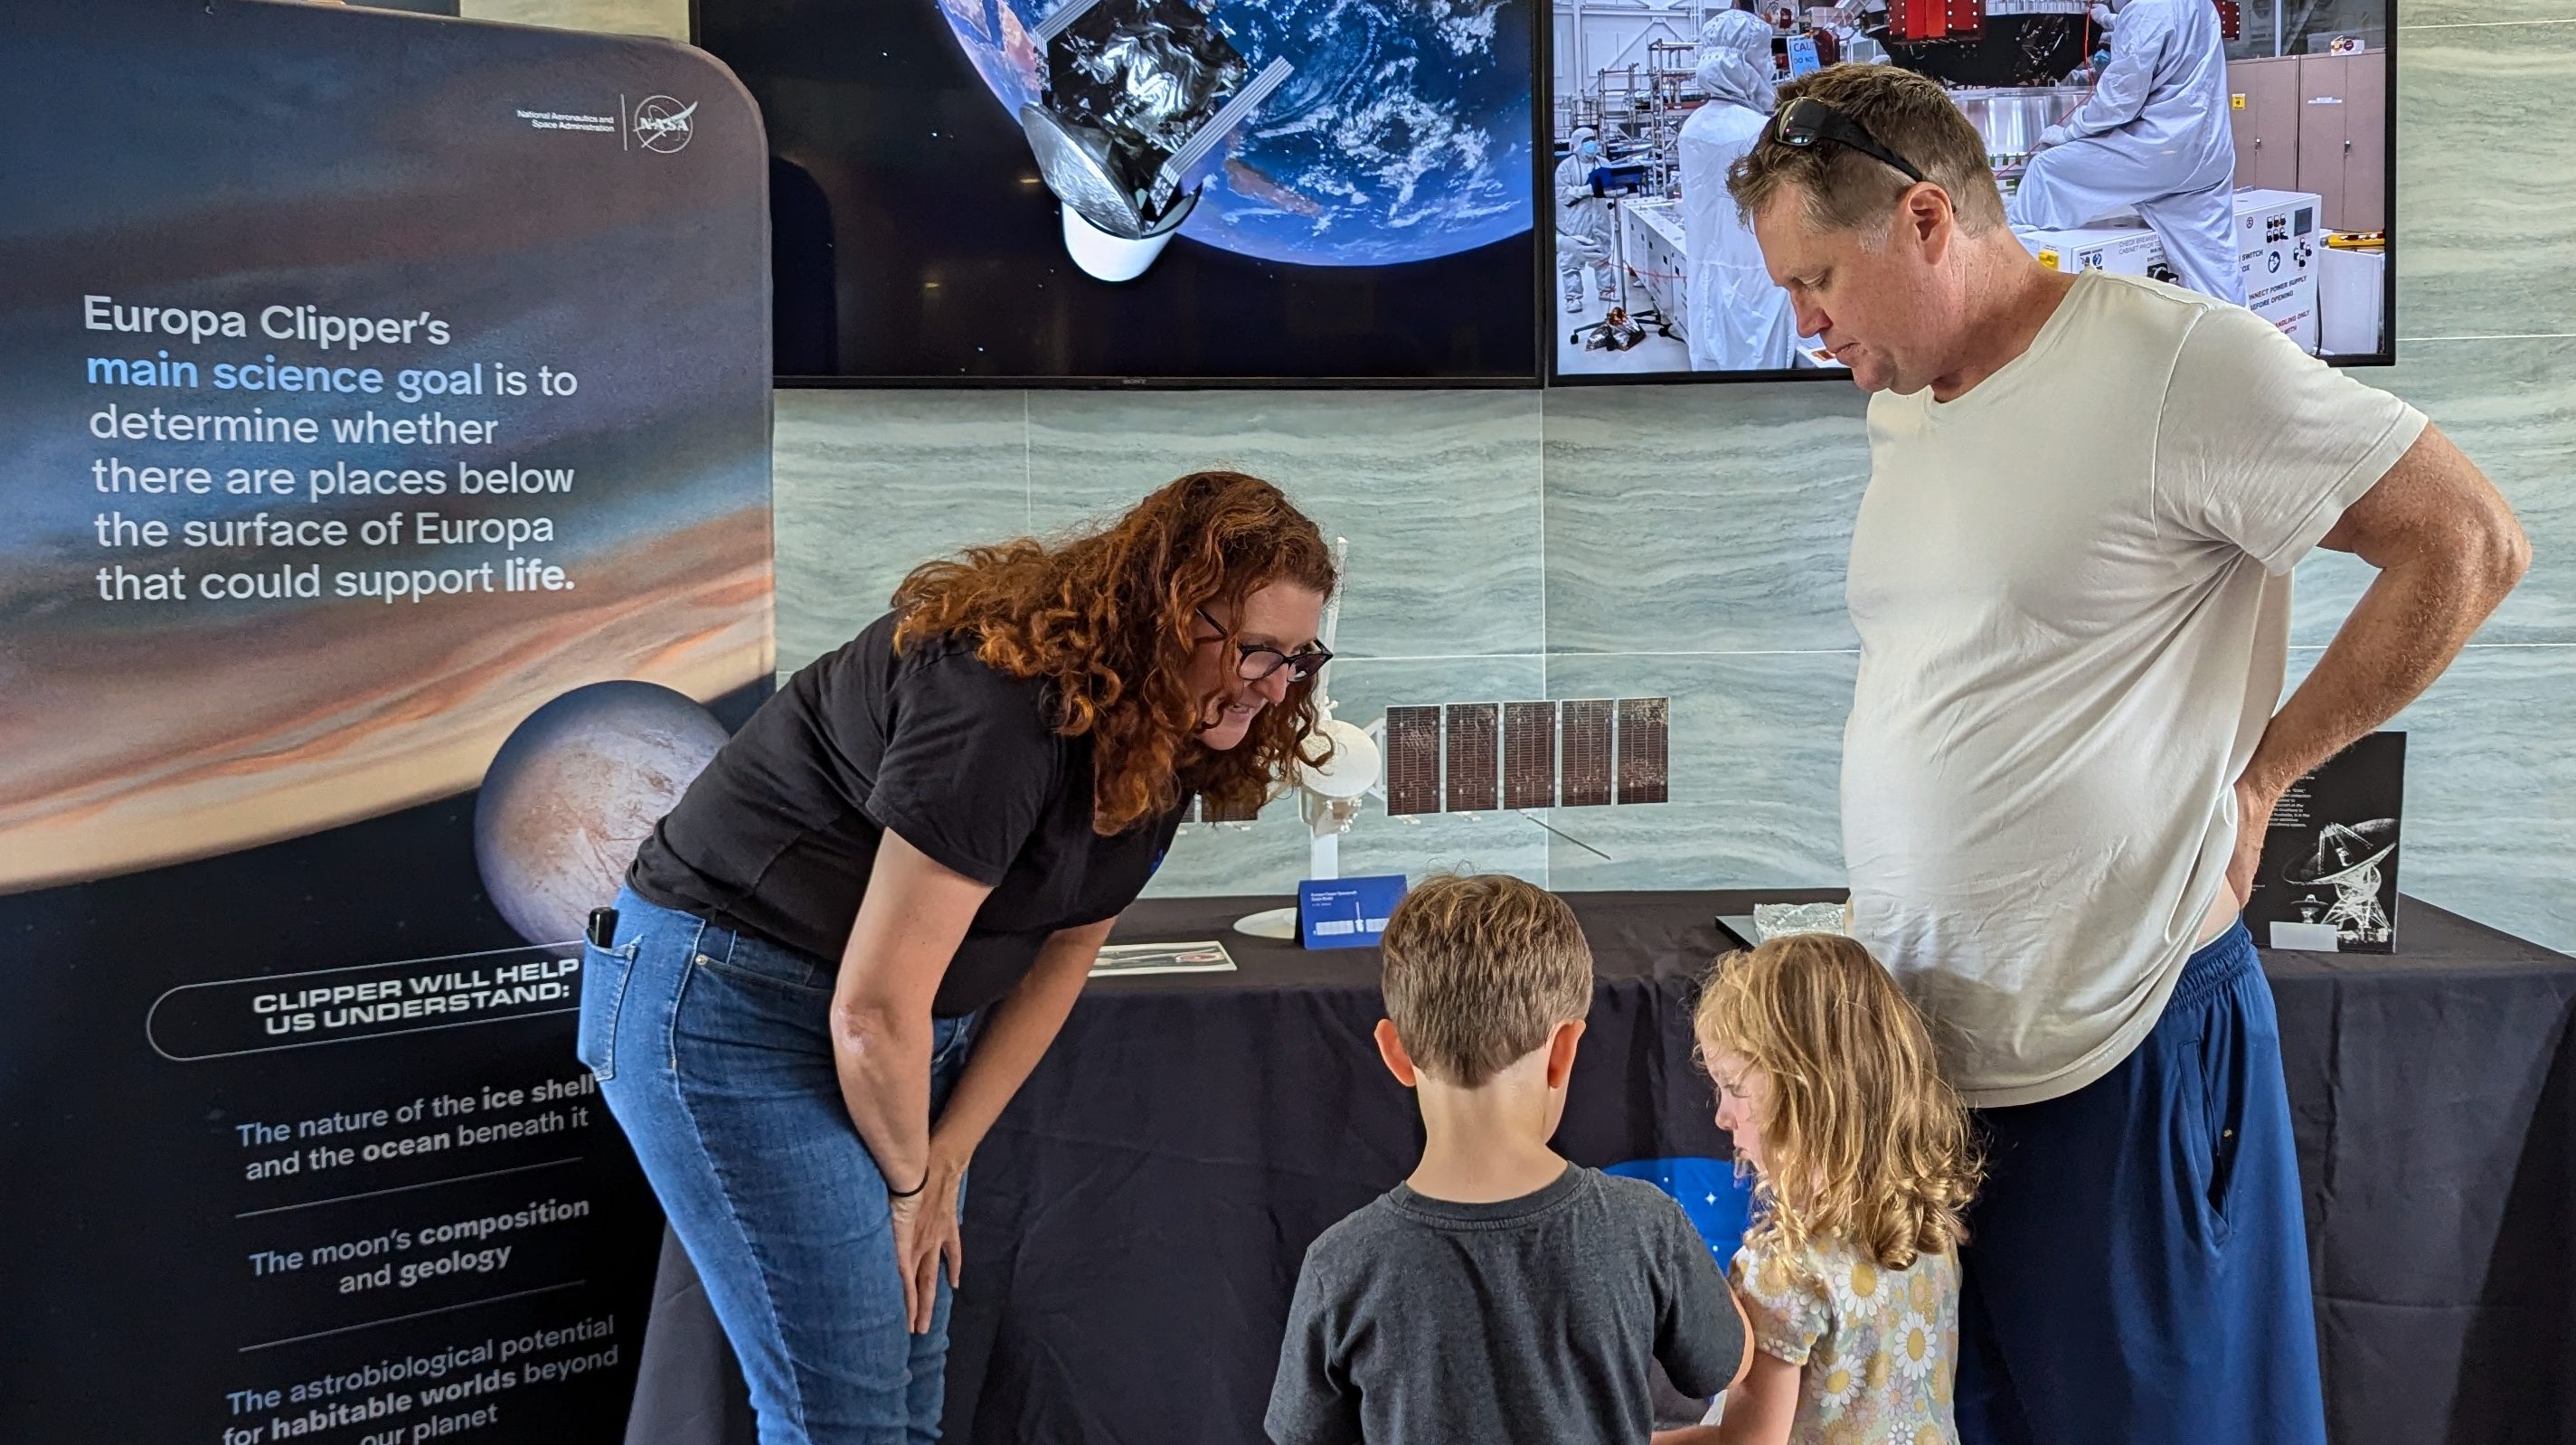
(1259, 192)
(2289, 149)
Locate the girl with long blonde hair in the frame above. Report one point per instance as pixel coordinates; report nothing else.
(1828, 1083)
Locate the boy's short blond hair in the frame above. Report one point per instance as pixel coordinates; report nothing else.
(1479, 971)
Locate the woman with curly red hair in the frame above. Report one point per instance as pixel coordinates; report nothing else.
(843, 952)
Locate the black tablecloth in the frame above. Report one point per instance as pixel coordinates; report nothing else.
(1135, 1221)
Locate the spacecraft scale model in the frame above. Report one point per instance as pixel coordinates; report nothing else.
(1465, 757)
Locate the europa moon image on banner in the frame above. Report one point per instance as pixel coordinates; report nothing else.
(574, 791)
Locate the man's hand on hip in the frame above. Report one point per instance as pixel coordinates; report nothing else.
(2253, 818)
(2448, 550)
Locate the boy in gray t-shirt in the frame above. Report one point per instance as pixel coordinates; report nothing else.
(1499, 1294)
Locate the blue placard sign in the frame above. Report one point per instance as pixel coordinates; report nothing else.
(1346, 912)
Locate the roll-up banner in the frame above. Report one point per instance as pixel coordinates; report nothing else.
(384, 539)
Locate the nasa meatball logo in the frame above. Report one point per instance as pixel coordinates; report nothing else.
(662, 124)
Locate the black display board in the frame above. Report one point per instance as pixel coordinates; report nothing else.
(384, 526)
(2328, 879)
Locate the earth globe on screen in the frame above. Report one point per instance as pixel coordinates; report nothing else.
(1403, 135)
(573, 791)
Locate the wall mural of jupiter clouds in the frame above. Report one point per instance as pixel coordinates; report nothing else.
(140, 733)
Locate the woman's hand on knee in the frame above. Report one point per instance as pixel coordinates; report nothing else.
(926, 1239)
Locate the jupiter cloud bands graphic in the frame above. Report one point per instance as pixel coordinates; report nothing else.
(138, 734)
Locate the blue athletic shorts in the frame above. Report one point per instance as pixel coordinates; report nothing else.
(2137, 1266)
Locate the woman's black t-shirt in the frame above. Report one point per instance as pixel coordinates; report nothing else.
(777, 836)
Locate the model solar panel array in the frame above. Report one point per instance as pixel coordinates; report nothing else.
(1483, 757)
(1477, 757)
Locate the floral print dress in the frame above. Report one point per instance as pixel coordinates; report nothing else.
(1876, 1348)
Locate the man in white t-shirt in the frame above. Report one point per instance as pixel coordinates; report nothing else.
(2070, 577)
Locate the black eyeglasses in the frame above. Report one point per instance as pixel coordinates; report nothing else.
(1807, 120)
(1253, 664)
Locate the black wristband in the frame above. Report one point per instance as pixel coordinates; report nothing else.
(908, 1193)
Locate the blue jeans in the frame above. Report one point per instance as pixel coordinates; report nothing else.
(2137, 1266)
(714, 1052)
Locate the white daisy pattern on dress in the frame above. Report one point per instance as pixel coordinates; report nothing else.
(1916, 1349)
(1836, 1387)
(1873, 1345)
(1860, 1285)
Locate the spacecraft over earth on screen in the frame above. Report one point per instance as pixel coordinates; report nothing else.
(1136, 97)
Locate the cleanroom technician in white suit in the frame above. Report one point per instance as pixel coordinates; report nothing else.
(1582, 221)
(2153, 136)
(1737, 319)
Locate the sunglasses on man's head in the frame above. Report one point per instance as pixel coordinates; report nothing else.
(1805, 121)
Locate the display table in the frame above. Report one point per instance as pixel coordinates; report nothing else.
(1135, 1221)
